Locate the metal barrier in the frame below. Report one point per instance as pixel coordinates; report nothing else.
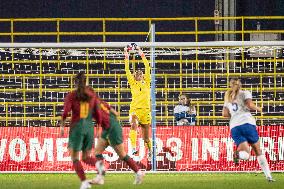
(166, 104)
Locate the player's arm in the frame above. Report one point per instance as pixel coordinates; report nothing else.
(97, 115)
(146, 64)
(111, 109)
(114, 112)
(66, 110)
(97, 112)
(129, 76)
(98, 131)
(226, 112)
(251, 105)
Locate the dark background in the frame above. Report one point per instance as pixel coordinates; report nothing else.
(132, 8)
(129, 9)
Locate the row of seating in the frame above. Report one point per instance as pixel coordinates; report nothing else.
(21, 82)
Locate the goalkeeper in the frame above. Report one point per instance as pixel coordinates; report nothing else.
(139, 113)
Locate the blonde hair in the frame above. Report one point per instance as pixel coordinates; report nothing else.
(231, 94)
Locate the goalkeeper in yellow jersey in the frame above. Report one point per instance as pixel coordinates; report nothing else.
(140, 105)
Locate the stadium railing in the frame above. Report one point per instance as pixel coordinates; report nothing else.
(32, 91)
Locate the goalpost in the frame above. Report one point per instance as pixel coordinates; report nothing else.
(35, 77)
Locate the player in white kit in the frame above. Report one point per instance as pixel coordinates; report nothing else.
(237, 106)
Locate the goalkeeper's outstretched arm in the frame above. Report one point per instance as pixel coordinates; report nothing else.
(146, 64)
(129, 76)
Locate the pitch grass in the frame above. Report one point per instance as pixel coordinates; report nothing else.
(151, 181)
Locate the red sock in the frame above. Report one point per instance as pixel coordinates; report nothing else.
(131, 163)
(90, 161)
(79, 170)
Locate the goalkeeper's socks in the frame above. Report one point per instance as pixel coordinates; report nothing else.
(79, 170)
(133, 138)
(264, 165)
(131, 163)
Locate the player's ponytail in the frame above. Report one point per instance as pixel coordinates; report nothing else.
(81, 86)
(228, 96)
(231, 94)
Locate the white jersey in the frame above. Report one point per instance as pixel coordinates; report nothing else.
(183, 109)
(240, 114)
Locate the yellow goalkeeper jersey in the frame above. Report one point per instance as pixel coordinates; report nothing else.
(140, 90)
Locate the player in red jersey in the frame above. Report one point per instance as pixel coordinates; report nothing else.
(84, 105)
(112, 135)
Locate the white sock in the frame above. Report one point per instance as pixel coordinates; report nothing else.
(139, 172)
(264, 165)
(100, 167)
(243, 155)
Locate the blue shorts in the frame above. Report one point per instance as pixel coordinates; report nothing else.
(243, 133)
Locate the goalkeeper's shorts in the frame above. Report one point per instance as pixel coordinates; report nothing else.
(143, 115)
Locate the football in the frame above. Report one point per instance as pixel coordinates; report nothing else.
(132, 47)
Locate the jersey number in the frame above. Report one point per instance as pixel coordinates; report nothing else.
(235, 107)
(84, 110)
(104, 108)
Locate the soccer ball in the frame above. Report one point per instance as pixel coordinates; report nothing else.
(132, 47)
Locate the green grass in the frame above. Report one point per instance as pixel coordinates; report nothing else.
(151, 181)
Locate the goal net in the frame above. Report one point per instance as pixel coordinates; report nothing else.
(37, 76)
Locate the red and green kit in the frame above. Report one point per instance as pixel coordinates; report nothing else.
(81, 135)
(112, 131)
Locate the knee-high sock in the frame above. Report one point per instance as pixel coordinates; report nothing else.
(133, 138)
(92, 160)
(264, 165)
(131, 163)
(79, 170)
(148, 144)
